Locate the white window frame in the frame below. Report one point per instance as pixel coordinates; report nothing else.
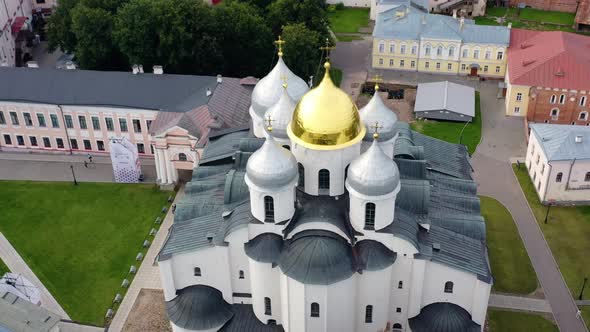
(585, 116)
(517, 110)
(452, 51)
(392, 48)
(500, 55)
(519, 96)
(556, 116)
(497, 69)
(381, 47)
(553, 99)
(402, 63)
(562, 99)
(381, 61)
(391, 63)
(476, 54)
(583, 101)
(402, 49)
(414, 49)
(449, 66)
(465, 53)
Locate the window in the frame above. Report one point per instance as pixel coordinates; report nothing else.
(397, 326)
(182, 157)
(152, 149)
(402, 49)
(324, 179)
(148, 124)
(28, 119)
(485, 69)
(391, 62)
(100, 145)
(583, 101)
(538, 158)
(7, 139)
(46, 142)
(301, 180)
(123, 125)
(381, 47)
(69, 122)
(500, 55)
(554, 114)
(370, 216)
(109, 123)
(539, 185)
(427, 50)
(41, 119)
(391, 48)
(517, 110)
(140, 148)
(82, 121)
(553, 99)
(587, 177)
(562, 99)
(463, 67)
(413, 64)
(450, 66)
(14, 118)
(488, 54)
(241, 274)
(74, 143)
(315, 309)
(402, 63)
(559, 177)
(451, 51)
(439, 51)
(398, 309)
(532, 149)
(369, 314)
(476, 54)
(20, 140)
(2, 118)
(438, 66)
(519, 96)
(427, 65)
(54, 120)
(197, 271)
(448, 287)
(497, 69)
(60, 143)
(136, 126)
(583, 116)
(269, 209)
(87, 145)
(381, 61)
(414, 49)
(267, 306)
(400, 284)
(33, 140)
(95, 123)
(465, 53)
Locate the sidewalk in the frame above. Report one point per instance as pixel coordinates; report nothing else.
(17, 265)
(519, 303)
(148, 275)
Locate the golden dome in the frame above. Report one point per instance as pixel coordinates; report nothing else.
(326, 118)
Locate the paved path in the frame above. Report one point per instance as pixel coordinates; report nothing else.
(519, 303)
(352, 58)
(56, 167)
(17, 265)
(148, 275)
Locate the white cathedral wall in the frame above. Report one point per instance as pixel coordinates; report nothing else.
(373, 289)
(256, 229)
(334, 161)
(317, 225)
(257, 124)
(167, 278)
(238, 261)
(283, 198)
(265, 282)
(384, 211)
(402, 270)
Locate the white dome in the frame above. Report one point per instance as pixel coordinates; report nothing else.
(271, 166)
(269, 89)
(373, 173)
(281, 114)
(376, 111)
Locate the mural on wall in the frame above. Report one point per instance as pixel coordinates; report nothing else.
(125, 160)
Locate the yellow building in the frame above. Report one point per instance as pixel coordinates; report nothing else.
(406, 38)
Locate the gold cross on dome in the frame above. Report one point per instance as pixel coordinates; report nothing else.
(279, 42)
(327, 48)
(376, 128)
(284, 78)
(378, 79)
(269, 122)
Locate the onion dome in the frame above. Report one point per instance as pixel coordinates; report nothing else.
(373, 173)
(281, 113)
(199, 307)
(376, 112)
(269, 89)
(271, 166)
(326, 118)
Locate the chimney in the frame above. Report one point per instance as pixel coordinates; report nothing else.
(578, 138)
(141, 69)
(455, 13)
(461, 23)
(158, 70)
(208, 93)
(70, 65)
(135, 69)
(509, 25)
(32, 64)
(219, 79)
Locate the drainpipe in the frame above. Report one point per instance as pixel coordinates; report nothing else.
(567, 184)
(63, 120)
(548, 181)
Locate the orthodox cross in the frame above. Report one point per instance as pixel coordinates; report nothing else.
(378, 79)
(269, 122)
(279, 42)
(327, 48)
(284, 78)
(376, 128)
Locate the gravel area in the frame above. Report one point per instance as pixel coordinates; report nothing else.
(403, 108)
(148, 313)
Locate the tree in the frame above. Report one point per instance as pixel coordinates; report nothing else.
(59, 27)
(302, 50)
(312, 13)
(136, 32)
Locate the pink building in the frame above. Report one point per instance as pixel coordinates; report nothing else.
(168, 117)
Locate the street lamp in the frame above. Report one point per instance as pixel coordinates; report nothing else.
(74, 175)
(582, 291)
(547, 213)
(462, 130)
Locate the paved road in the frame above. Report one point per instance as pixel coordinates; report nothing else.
(352, 58)
(56, 167)
(519, 303)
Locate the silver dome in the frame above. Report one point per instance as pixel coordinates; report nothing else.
(373, 173)
(269, 89)
(281, 114)
(271, 166)
(376, 111)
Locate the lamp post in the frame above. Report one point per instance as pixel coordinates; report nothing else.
(582, 291)
(462, 130)
(74, 175)
(547, 213)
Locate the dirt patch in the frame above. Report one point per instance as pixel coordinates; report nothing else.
(403, 108)
(148, 313)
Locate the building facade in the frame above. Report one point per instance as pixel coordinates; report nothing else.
(15, 20)
(332, 221)
(408, 39)
(548, 78)
(167, 117)
(568, 6)
(558, 162)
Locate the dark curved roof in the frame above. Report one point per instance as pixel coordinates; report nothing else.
(264, 248)
(199, 307)
(245, 320)
(443, 317)
(317, 257)
(373, 255)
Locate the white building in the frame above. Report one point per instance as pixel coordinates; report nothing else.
(558, 160)
(15, 19)
(325, 231)
(445, 101)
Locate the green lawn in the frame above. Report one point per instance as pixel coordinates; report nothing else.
(3, 268)
(567, 234)
(510, 321)
(335, 74)
(347, 38)
(547, 16)
(529, 18)
(511, 266)
(79, 240)
(450, 131)
(348, 20)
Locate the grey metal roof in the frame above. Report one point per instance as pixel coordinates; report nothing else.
(265, 248)
(317, 257)
(17, 314)
(373, 173)
(272, 166)
(416, 24)
(445, 96)
(373, 255)
(443, 317)
(244, 320)
(225, 146)
(199, 307)
(281, 114)
(559, 141)
(376, 112)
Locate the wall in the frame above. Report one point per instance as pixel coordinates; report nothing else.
(393, 56)
(384, 214)
(351, 3)
(495, 67)
(265, 281)
(283, 200)
(9, 10)
(373, 288)
(238, 261)
(511, 103)
(573, 187)
(536, 163)
(575, 103)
